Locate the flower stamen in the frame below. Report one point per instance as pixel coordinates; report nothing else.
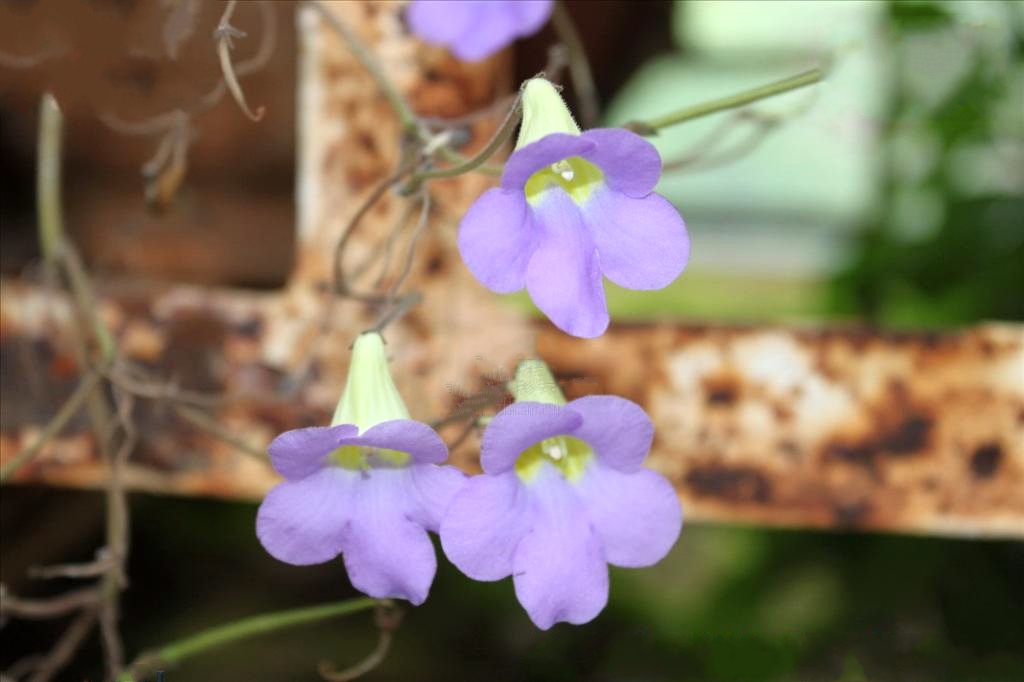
(564, 169)
(570, 455)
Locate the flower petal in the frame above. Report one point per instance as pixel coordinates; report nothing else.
(441, 22)
(564, 274)
(387, 554)
(642, 243)
(496, 240)
(630, 163)
(559, 568)
(298, 453)
(405, 435)
(529, 159)
(619, 430)
(637, 515)
(483, 525)
(530, 15)
(476, 29)
(519, 426)
(487, 35)
(305, 522)
(433, 488)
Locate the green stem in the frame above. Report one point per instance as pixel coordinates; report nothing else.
(653, 125)
(51, 137)
(248, 627)
(57, 253)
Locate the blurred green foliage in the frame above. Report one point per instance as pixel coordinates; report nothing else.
(970, 265)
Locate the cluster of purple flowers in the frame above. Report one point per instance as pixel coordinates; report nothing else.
(564, 492)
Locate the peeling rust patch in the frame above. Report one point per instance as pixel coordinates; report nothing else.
(722, 390)
(852, 515)
(985, 460)
(910, 437)
(739, 484)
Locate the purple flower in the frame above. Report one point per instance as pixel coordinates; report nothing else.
(564, 493)
(369, 489)
(572, 207)
(476, 29)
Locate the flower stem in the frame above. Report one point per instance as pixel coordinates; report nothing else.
(579, 65)
(652, 126)
(181, 650)
(508, 126)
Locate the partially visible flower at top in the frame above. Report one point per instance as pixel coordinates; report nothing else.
(475, 29)
(368, 487)
(570, 208)
(564, 494)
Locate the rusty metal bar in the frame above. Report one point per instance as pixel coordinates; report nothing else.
(829, 428)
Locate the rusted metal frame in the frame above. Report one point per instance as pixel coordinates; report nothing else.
(828, 428)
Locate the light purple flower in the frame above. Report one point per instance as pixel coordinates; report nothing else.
(564, 493)
(369, 494)
(475, 29)
(572, 207)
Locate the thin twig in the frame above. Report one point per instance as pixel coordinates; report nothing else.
(163, 174)
(47, 607)
(361, 52)
(64, 415)
(14, 61)
(66, 646)
(389, 244)
(341, 285)
(114, 578)
(698, 157)
(162, 122)
(224, 35)
(91, 569)
(387, 617)
(22, 667)
(504, 132)
(499, 106)
(85, 300)
(203, 421)
(398, 308)
(715, 106)
(60, 254)
(179, 25)
(145, 386)
(374, 659)
(410, 255)
(579, 65)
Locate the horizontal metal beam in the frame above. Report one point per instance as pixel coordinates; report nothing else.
(806, 427)
(829, 428)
